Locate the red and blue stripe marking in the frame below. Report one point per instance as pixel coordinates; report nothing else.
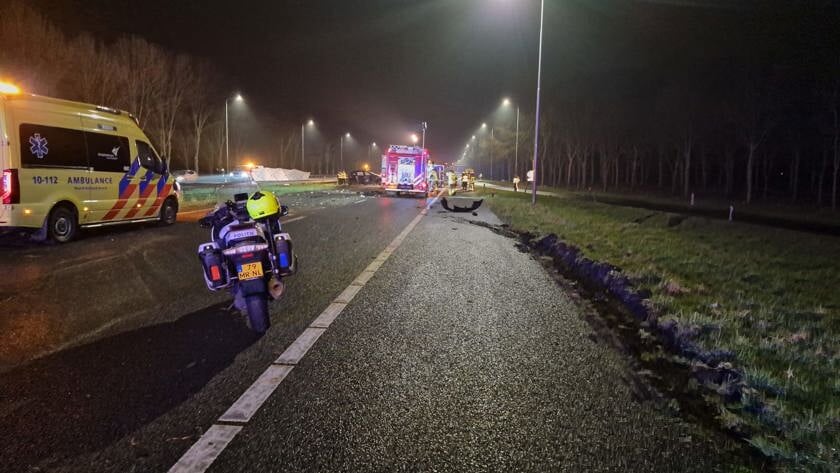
(146, 187)
(126, 190)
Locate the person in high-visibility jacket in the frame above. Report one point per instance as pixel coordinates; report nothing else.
(433, 180)
(452, 179)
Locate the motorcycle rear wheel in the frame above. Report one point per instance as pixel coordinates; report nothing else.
(258, 319)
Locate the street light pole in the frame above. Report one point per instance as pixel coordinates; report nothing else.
(238, 98)
(341, 144)
(227, 140)
(516, 145)
(492, 139)
(506, 102)
(537, 116)
(303, 141)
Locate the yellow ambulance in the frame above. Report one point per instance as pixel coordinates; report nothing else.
(69, 165)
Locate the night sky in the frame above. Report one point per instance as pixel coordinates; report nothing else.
(377, 68)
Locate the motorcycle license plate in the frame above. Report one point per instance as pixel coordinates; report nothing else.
(250, 271)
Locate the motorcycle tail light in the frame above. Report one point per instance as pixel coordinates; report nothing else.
(212, 262)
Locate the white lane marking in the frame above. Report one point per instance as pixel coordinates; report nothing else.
(295, 352)
(363, 278)
(205, 451)
(374, 266)
(348, 294)
(328, 315)
(199, 457)
(254, 397)
(294, 219)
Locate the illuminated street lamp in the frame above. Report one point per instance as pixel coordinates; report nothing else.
(341, 147)
(505, 103)
(303, 140)
(237, 98)
(414, 138)
(482, 131)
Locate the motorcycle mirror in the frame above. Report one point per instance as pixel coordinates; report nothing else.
(284, 210)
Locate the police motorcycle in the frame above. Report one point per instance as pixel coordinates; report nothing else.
(249, 254)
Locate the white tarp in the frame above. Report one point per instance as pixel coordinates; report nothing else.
(278, 174)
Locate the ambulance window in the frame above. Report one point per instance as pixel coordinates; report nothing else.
(108, 153)
(148, 158)
(50, 146)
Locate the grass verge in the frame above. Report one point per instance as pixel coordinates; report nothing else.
(768, 295)
(705, 202)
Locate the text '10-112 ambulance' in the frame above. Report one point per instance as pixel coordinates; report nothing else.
(404, 170)
(67, 165)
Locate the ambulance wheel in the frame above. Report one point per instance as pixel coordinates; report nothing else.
(168, 212)
(258, 320)
(62, 224)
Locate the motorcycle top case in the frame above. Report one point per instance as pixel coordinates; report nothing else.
(216, 274)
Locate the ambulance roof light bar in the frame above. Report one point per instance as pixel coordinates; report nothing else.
(8, 88)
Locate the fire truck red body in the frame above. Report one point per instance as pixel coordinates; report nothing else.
(404, 170)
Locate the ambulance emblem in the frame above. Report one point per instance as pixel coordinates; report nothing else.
(38, 146)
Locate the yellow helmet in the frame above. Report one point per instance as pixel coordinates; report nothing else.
(262, 204)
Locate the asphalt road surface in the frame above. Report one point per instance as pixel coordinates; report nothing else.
(458, 354)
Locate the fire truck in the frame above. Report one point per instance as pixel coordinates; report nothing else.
(404, 170)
